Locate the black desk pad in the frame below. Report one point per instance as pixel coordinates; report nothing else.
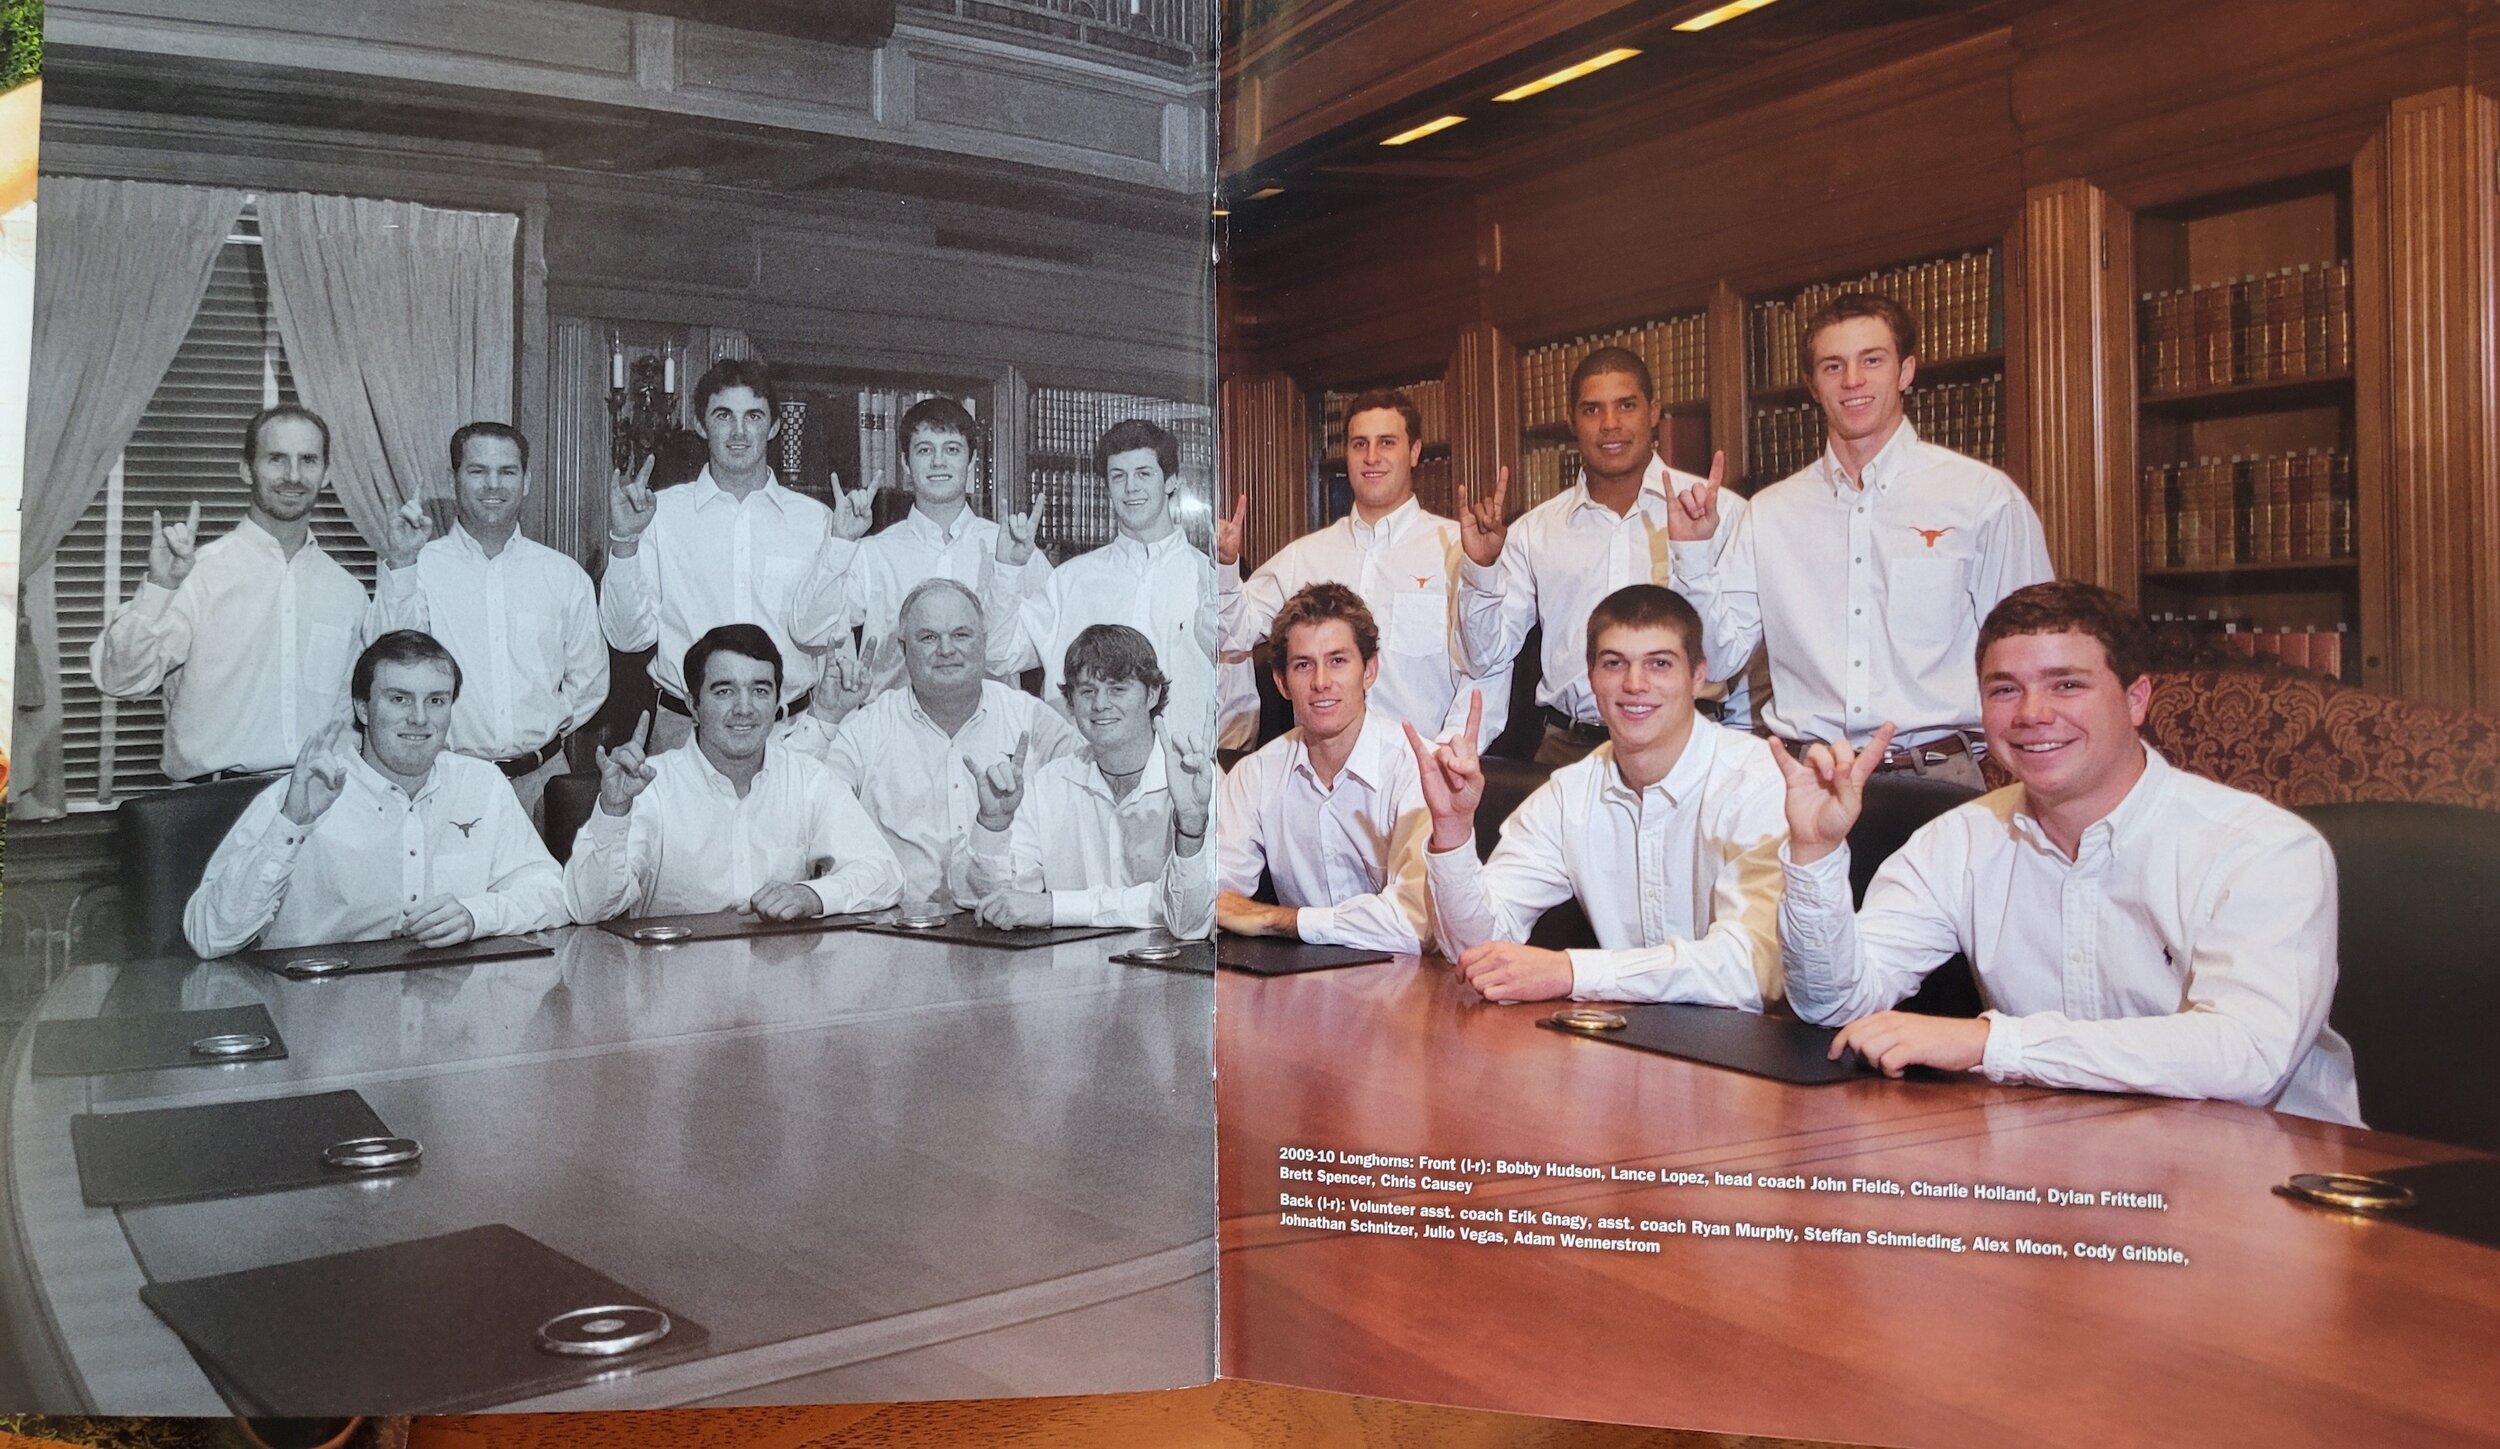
(2456, 1199)
(1195, 956)
(963, 930)
(222, 1149)
(147, 1041)
(435, 1326)
(1268, 956)
(724, 925)
(1722, 1036)
(393, 954)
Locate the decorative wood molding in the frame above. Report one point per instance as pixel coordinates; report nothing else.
(2077, 363)
(1483, 393)
(1266, 452)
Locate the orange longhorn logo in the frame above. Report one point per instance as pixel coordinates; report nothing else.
(1931, 534)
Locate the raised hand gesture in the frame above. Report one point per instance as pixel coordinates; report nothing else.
(1017, 531)
(624, 772)
(320, 773)
(846, 684)
(630, 506)
(1189, 773)
(1453, 778)
(1825, 792)
(1481, 528)
(172, 551)
(1694, 515)
(1001, 786)
(407, 532)
(855, 512)
(1230, 533)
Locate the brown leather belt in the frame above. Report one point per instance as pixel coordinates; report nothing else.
(1927, 754)
(520, 765)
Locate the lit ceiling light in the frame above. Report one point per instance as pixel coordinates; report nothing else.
(1568, 74)
(1729, 11)
(1264, 192)
(1426, 129)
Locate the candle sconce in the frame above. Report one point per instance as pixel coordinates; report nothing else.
(642, 412)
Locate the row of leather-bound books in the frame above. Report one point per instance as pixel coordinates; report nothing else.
(2283, 508)
(2291, 323)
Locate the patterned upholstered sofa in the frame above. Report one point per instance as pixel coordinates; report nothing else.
(2297, 739)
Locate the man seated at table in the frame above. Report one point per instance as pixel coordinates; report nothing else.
(383, 835)
(731, 823)
(915, 756)
(1116, 834)
(2134, 928)
(1331, 808)
(1668, 834)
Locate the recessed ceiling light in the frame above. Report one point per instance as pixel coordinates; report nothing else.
(1568, 74)
(1426, 129)
(1729, 11)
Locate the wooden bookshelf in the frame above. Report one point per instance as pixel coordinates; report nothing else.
(1062, 426)
(2248, 484)
(1677, 350)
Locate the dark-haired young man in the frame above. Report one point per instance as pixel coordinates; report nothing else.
(1331, 809)
(250, 636)
(729, 824)
(1668, 834)
(1149, 578)
(1551, 565)
(863, 586)
(390, 835)
(2134, 928)
(1400, 560)
(1864, 576)
(519, 615)
(1115, 835)
(731, 547)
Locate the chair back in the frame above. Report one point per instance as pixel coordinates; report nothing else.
(567, 806)
(165, 841)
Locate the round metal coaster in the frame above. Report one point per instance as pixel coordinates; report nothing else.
(368, 1154)
(604, 1331)
(230, 1044)
(1589, 1019)
(1154, 953)
(920, 921)
(303, 966)
(661, 935)
(2351, 1191)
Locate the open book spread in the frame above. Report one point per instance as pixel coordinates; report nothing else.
(973, 699)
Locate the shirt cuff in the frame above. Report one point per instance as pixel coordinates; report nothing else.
(1483, 578)
(1316, 925)
(986, 841)
(2002, 1060)
(1592, 975)
(1818, 876)
(152, 597)
(1693, 556)
(831, 900)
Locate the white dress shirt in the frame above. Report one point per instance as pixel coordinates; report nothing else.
(1405, 568)
(691, 843)
(1868, 601)
(1560, 558)
(253, 651)
(709, 559)
(2188, 949)
(912, 776)
(523, 626)
(1680, 881)
(353, 873)
(868, 590)
(1350, 855)
(1104, 862)
(1164, 590)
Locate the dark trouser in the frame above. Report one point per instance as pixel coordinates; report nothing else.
(1567, 741)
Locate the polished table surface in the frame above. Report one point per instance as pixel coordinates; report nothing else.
(871, 1167)
(2286, 1325)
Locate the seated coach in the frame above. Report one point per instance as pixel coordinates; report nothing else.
(1668, 834)
(2134, 928)
(385, 834)
(1331, 809)
(731, 823)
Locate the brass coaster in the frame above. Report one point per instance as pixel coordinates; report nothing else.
(2353, 1192)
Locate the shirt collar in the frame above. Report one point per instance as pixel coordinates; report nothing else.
(2119, 825)
(464, 542)
(1684, 778)
(384, 787)
(1363, 762)
(706, 490)
(1880, 470)
(1126, 548)
(912, 705)
(1654, 495)
(1389, 528)
(1091, 777)
(719, 783)
(928, 529)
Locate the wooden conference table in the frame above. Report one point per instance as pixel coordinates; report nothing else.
(2287, 1324)
(873, 1167)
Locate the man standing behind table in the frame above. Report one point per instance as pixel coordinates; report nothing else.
(1112, 836)
(731, 547)
(392, 836)
(252, 635)
(1401, 561)
(1148, 578)
(731, 824)
(1865, 575)
(2134, 928)
(1605, 532)
(863, 585)
(519, 615)
(1330, 809)
(915, 756)
(1668, 834)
